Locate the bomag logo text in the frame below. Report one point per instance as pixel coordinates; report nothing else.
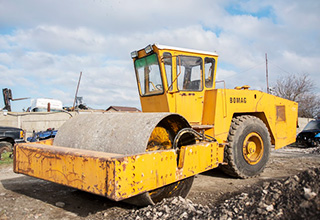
(238, 100)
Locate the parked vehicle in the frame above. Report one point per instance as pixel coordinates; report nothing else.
(42, 135)
(45, 105)
(8, 137)
(310, 135)
(187, 127)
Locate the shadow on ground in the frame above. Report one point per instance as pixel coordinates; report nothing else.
(78, 202)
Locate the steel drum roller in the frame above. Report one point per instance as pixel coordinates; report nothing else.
(127, 133)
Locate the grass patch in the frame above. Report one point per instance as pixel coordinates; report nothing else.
(6, 158)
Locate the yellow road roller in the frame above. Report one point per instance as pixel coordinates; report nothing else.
(188, 126)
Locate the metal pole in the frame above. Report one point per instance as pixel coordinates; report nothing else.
(267, 77)
(75, 97)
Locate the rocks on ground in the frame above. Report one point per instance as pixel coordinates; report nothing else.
(315, 151)
(296, 197)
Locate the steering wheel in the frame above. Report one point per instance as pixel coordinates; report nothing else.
(159, 86)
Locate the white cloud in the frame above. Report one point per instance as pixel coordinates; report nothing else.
(56, 39)
(45, 44)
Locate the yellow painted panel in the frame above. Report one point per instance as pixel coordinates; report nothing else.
(142, 173)
(148, 171)
(112, 175)
(46, 142)
(158, 103)
(198, 159)
(255, 103)
(81, 169)
(190, 105)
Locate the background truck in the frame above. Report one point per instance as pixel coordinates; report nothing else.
(45, 105)
(8, 137)
(188, 126)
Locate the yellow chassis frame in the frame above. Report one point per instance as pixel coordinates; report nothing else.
(114, 176)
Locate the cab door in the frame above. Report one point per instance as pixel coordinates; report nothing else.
(190, 95)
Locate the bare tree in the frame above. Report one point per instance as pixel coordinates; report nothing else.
(299, 88)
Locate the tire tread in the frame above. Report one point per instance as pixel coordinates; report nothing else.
(231, 167)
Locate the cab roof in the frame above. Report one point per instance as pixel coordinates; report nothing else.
(165, 47)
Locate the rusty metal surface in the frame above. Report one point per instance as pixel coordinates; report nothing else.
(46, 142)
(115, 176)
(124, 133)
(81, 169)
(133, 175)
(88, 156)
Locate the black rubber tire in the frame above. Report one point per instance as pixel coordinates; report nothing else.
(5, 147)
(241, 127)
(179, 188)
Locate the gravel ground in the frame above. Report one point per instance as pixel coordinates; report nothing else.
(315, 151)
(295, 197)
(287, 189)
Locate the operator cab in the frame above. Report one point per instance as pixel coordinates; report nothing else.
(189, 70)
(172, 79)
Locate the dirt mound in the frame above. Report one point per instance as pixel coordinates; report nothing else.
(296, 197)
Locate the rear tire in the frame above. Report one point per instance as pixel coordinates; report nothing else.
(249, 147)
(4, 148)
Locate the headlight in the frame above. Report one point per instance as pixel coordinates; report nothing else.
(134, 54)
(148, 49)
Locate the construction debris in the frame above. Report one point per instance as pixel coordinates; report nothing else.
(296, 197)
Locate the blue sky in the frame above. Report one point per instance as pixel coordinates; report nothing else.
(45, 44)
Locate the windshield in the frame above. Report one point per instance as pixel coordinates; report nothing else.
(312, 125)
(149, 75)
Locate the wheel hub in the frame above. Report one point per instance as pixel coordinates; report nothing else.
(253, 148)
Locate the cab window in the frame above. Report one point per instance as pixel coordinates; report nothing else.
(189, 73)
(167, 60)
(209, 64)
